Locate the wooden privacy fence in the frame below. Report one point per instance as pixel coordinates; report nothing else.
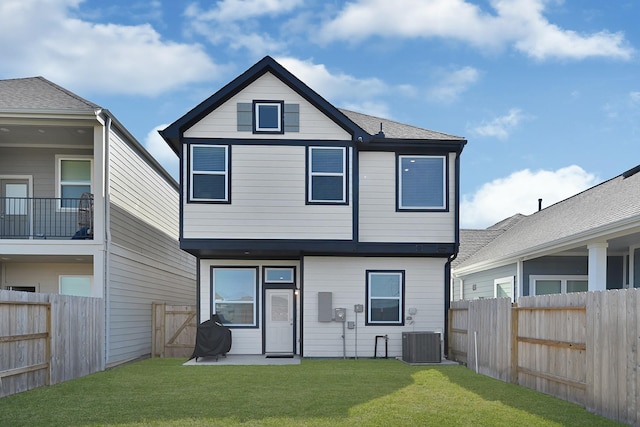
(47, 339)
(174, 330)
(580, 347)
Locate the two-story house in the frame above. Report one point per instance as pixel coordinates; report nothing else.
(303, 216)
(85, 210)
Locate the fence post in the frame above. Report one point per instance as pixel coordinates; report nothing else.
(513, 368)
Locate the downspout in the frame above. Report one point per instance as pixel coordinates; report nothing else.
(107, 239)
(447, 267)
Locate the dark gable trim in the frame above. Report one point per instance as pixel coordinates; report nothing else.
(174, 132)
(295, 248)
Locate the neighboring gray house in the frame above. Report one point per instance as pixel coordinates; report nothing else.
(295, 208)
(590, 241)
(85, 210)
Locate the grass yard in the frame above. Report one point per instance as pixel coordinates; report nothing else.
(162, 392)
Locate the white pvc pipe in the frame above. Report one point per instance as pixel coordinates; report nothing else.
(475, 341)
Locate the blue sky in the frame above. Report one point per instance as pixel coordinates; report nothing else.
(547, 92)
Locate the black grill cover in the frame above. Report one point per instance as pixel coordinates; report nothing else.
(212, 338)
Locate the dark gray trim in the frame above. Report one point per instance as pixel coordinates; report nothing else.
(212, 299)
(445, 178)
(174, 132)
(293, 248)
(347, 172)
(367, 322)
(255, 114)
(189, 178)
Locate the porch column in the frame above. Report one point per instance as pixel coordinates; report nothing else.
(598, 266)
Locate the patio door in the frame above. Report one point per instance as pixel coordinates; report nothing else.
(14, 212)
(279, 320)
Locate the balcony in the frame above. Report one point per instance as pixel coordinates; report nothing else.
(46, 218)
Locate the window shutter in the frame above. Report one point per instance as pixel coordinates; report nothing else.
(292, 117)
(245, 117)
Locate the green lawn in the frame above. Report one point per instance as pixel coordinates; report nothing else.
(162, 392)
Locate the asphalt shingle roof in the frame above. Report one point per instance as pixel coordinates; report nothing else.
(392, 129)
(608, 204)
(38, 93)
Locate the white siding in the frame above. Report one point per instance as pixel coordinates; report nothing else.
(346, 279)
(267, 201)
(145, 261)
(222, 123)
(379, 221)
(244, 340)
(135, 282)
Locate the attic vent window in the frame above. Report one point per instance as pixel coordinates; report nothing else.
(268, 116)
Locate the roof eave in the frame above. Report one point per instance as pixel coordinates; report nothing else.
(605, 232)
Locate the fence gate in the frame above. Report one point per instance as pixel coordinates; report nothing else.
(174, 330)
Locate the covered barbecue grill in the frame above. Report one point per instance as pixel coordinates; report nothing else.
(212, 339)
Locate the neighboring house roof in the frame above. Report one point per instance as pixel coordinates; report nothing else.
(612, 207)
(38, 93)
(471, 240)
(391, 129)
(360, 126)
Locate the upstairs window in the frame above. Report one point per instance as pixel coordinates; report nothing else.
(327, 177)
(422, 183)
(210, 173)
(74, 178)
(268, 116)
(385, 297)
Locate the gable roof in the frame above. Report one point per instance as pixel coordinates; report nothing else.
(607, 208)
(39, 94)
(361, 127)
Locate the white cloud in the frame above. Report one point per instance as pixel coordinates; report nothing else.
(230, 23)
(519, 193)
(235, 10)
(41, 37)
(500, 127)
(453, 84)
(520, 24)
(337, 85)
(161, 151)
(635, 98)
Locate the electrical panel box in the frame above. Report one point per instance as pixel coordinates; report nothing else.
(358, 308)
(341, 314)
(351, 325)
(325, 306)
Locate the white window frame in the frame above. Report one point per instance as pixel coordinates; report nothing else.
(214, 301)
(562, 278)
(224, 173)
(509, 279)
(400, 298)
(59, 183)
(256, 116)
(312, 174)
(443, 205)
(84, 276)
